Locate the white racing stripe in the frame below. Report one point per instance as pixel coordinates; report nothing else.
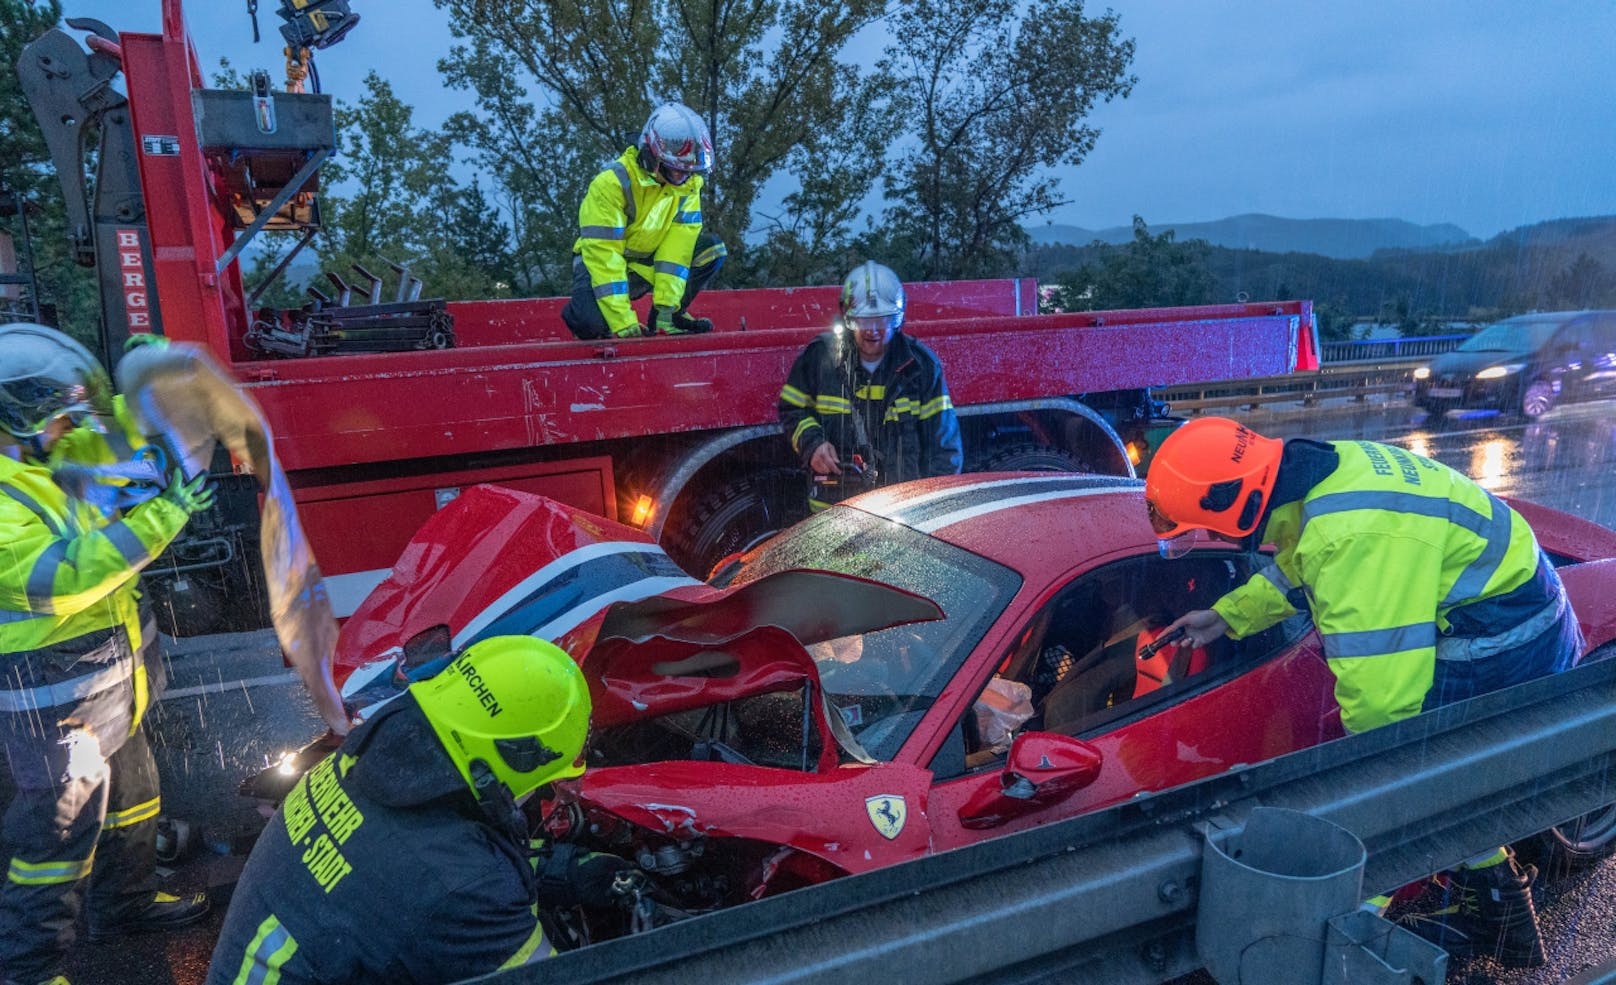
(947, 519)
(573, 559)
(347, 591)
(911, 502)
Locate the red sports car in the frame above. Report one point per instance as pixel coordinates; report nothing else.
(920, 668)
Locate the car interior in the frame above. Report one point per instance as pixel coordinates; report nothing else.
(1080, 653)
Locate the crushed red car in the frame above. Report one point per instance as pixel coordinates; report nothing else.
(919, 668)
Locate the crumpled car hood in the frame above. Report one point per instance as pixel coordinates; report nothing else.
(650, 638)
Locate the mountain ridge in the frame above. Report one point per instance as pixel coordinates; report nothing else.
(1340, 239)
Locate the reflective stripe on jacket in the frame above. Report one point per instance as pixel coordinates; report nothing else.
(629, 220)
(66, 568)
(380, 869)
(1385, 547)
(907, 414)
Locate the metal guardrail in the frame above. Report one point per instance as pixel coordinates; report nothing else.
(1110, 898)
(1355, 381)
(1353, 370)
(1412, 347)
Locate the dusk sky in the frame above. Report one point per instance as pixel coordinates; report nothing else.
(1487, 114)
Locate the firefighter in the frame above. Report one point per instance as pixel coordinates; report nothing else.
(403, 856)
(1426, 589)
(639, 231)
(74, 659)
(866, 405)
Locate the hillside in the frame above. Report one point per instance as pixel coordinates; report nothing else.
(1564, 263)
(1342, 239)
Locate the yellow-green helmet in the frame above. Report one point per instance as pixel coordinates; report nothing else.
(518, 705)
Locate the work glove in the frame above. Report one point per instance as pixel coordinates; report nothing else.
(662, 321)
(632, 332)
(139, 339)
(192, 495)
(569, 876)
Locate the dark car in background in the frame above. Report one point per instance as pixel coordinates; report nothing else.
(1525, 365)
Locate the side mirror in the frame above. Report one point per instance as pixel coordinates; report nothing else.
(1042, 769)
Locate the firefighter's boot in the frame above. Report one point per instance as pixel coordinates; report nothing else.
(685, 323)
(1486, 912)
(164, 912)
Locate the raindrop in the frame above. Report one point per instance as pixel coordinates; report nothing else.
(201, 719)
(248, 695)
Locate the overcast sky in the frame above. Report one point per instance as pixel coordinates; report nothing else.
(1487, 114)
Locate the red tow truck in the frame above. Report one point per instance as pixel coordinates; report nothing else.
(675, 435)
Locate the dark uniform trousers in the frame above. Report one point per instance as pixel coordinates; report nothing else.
(85, 800)
(582, 313)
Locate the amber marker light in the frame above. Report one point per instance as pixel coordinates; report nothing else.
(644, 509)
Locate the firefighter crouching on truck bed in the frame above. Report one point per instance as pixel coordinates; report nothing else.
(403, 856)
(639, 230)
(1425, 588)
(74, 657)
(866, 405)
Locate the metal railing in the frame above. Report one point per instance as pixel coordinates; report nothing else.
(1372, 350)
(1111, 898)
(1352, 370)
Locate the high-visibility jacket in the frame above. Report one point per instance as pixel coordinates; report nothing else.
(629, 220)
(1385, 547)
(379, 868)
(66, 568)
(903, 407)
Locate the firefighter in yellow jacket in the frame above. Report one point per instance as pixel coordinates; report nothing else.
(1426, 589)
(74, 535)
(639, 231)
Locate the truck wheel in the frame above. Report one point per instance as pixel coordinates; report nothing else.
(1030, 458)
(1537, 400)
(735, 516)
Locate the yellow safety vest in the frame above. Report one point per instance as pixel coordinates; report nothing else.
(1384, 547)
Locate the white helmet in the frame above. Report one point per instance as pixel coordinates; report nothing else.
(677, 139)
(873, 291)
(44, 375)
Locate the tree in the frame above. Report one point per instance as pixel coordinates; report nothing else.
(1149, 272)
(1584, 283)
(391, 199)
(563, 86)
(26, 168)
(997, 96)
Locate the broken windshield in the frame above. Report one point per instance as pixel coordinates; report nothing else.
(880, 684)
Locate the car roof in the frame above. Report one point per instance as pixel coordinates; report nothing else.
(1033, 522)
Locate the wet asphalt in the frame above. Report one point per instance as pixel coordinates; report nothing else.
(233, 707)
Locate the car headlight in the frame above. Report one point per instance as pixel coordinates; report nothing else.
(1496, 372)
(1423, 373)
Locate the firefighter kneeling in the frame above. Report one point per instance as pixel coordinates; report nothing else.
(404, 855)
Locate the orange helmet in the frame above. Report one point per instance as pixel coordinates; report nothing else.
(1211, 474)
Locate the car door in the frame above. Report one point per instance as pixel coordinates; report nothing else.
(1075, 671)
(1601, 356)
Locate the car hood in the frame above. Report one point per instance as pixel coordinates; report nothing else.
(1458, 363)
(651, 639)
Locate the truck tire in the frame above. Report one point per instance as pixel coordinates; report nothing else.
(1030, 458)
(736, 515)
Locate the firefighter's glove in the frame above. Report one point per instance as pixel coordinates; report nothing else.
(192, 495)
(632, 331)
(662, 321)
(570, 876)
(687, 324)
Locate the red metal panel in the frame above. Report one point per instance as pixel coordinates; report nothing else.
(387, 512)
(391, 406)
(479, 323)
(187, 232)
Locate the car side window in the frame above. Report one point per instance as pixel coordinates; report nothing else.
(1081, 661)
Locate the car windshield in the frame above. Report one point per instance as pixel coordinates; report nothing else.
(1513, 335)
(882, 683)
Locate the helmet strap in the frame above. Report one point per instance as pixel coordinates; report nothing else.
(495, 799)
